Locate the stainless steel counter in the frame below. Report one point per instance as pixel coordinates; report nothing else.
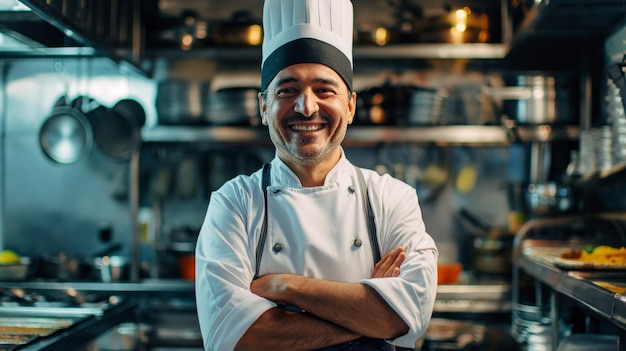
(601, 293)
(144, 286)
(473, 298)
(91, 309)
(584, 289)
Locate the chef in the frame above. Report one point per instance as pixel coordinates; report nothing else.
(311, 252)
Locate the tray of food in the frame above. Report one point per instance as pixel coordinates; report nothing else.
(601, 258)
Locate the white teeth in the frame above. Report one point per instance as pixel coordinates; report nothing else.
(306, 128)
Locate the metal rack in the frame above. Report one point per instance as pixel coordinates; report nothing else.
(587, 289)
(442, 135)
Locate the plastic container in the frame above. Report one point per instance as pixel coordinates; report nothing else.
(448, 273)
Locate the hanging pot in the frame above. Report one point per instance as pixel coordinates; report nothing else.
(115, 134)
(66, 135)
(132, 110)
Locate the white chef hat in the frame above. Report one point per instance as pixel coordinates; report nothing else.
(307, 31)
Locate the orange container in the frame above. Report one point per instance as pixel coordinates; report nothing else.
(187, 266)
(448, 273)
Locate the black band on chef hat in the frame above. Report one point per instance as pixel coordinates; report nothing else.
(306, 50)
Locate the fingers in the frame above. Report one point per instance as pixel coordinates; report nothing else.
(389, 265)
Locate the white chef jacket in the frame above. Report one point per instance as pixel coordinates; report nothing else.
(316, 228)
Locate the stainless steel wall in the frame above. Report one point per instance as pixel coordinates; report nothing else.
(50, 207)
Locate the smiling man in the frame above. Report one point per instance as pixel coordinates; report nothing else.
(311, 252)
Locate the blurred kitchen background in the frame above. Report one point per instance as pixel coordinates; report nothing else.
(118, 119)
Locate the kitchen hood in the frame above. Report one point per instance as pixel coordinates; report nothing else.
(123, 30)
(566, 28)
(53, 28)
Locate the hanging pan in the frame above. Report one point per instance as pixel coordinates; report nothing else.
(115, 134)
(66, 135)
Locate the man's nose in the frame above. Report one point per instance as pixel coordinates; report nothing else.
(306, 104)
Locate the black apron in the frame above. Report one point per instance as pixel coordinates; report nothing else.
(363, 343)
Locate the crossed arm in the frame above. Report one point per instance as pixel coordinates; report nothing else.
(335, 312)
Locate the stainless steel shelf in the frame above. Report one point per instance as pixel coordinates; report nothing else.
(605, 303)
(144, 286)
(432, 51)
(355, 135)
(387, 52)
(197, 134)
(443, 135)
(362, 135)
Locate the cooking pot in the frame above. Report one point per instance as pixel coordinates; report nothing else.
(492, 246)
(63, 267)
(536, 99)
(68, 267)
(234, 106)
(111, 268)
(182, 102)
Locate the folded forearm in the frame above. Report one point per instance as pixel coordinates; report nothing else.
(354, 306)
(277, 329)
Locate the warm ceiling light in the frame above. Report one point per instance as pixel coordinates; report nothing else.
(255, 35)
(186, 41)
(381, 36)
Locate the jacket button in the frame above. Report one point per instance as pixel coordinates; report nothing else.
(357, 242)
(278, 247)
(351, 189)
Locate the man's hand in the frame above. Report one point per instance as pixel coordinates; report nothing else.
(270, 286)
(389, 265)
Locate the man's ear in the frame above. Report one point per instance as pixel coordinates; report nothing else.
(351, 108)
(262, 109)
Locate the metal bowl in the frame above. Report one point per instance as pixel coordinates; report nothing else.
(16, 271)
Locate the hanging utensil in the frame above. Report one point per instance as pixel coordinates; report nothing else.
(132, 110)
(116, 135)
(66, 135)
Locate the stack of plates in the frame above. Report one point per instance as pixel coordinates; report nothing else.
(617, 120)
(531, 328)
(425, 107)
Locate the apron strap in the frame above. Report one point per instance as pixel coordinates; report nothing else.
(265, 181)
(367, 207)
(371, 222)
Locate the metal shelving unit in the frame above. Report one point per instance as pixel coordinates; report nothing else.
(365, 135)
(586, 288)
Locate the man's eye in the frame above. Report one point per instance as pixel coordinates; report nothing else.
(286, 92)
(325, 91)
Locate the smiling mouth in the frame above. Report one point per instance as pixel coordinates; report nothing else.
(307, 127)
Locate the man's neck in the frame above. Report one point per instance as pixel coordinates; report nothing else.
(313, 174)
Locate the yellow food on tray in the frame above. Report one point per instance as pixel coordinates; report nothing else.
(600, 255)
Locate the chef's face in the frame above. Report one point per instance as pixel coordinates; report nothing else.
(307, 108)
